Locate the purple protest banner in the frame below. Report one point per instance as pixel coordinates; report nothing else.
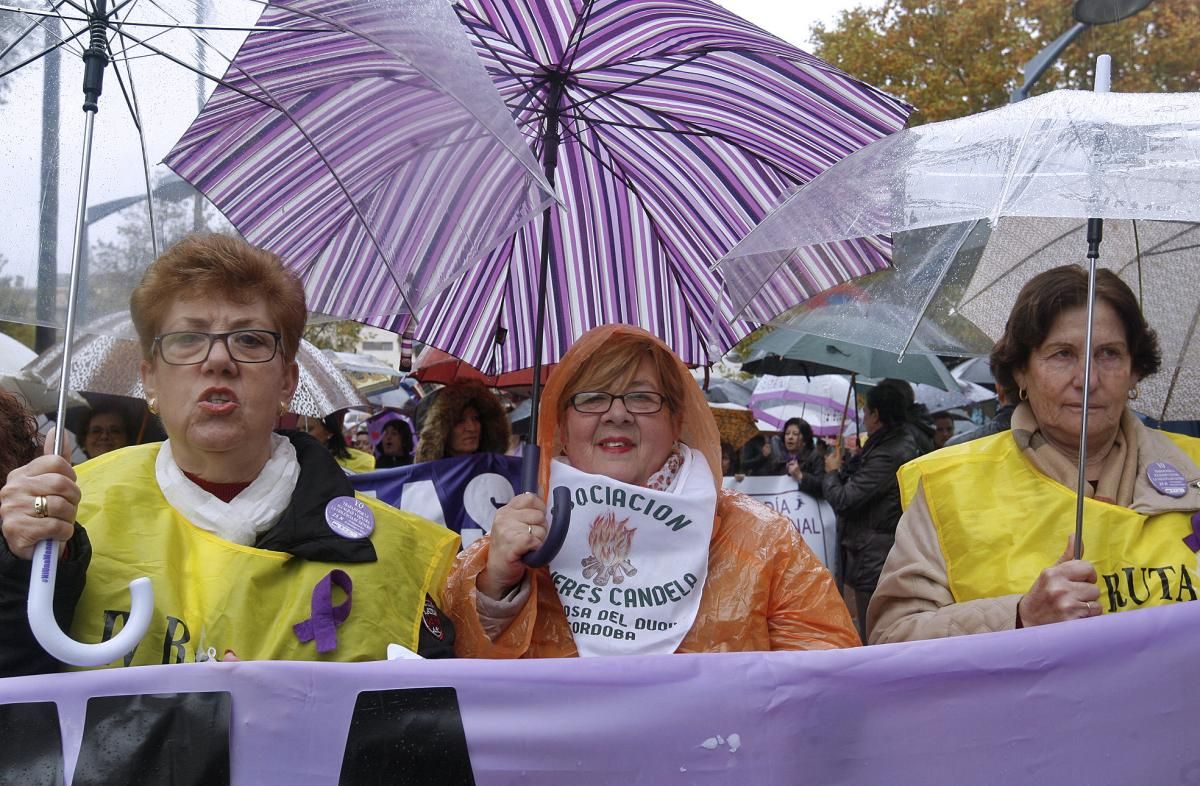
(462, 492)
(1104, 700)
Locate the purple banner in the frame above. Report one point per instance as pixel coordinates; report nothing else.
(463, 493)
(1105, 700)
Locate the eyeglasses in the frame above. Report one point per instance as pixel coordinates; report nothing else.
(187, 347)
(637, 402)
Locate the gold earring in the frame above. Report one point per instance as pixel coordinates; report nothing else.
(1133, 393)
(1021, 394)
(152, 405)
(283, 407)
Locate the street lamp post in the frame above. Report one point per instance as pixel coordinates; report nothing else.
(1088, 13)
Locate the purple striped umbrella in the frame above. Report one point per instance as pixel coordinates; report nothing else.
(374, 155)
(669, 128)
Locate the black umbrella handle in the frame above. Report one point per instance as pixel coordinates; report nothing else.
(556, 531)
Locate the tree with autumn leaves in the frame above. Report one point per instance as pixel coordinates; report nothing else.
(951, 58)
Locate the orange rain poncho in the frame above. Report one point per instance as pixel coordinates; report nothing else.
(765, 589)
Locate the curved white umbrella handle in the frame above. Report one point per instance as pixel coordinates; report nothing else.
(61, 646)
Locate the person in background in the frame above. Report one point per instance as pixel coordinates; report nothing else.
(943, 429)
(866, 495)
(395, 446)
(917, 420)
(104, 428)
(729, 460)
(362, 441)
(1001, 421)
(987, 538)
(328, 431)
(464, 418)
(621, 404)
(805, 463)
(236, 526)
(19, 443)
(763, 455)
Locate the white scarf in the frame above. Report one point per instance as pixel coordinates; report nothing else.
(252, 512)
(632, 569)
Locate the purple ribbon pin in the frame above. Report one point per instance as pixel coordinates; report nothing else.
(322, 626)
(1193, 540)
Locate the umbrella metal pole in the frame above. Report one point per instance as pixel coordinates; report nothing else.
(556, 531)
(40, 605)
(1095, 232)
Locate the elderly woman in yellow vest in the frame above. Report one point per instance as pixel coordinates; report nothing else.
(986, 540)
(256, 544)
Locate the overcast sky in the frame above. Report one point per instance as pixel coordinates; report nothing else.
(791, 20)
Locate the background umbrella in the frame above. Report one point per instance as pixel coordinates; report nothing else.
(729, 391)
(977, 370)
(37, 395)
(736, 424)
(821, 352)
(823, 401)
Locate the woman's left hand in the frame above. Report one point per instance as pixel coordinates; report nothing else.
(793, 469)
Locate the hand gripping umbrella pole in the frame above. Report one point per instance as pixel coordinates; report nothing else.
(42, 578)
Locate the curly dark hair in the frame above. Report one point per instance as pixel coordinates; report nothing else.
(1047, 295)
(18, 435)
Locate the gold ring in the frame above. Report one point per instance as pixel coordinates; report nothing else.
(530, 528)
(40, 507)
(1087, 604)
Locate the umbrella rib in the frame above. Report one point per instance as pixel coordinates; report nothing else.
(33, 25)
(691, 129)
(574, 43)
(34, 58)
(652, 75)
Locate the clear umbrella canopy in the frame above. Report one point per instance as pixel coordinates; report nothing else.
(981, 204)
(167, 57)
(1066, 154)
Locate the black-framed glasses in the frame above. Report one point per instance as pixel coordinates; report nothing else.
(189, 347)
(637, 402)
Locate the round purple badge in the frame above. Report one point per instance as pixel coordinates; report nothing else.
(350, 518)
(1166, 479)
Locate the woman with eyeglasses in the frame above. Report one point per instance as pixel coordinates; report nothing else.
(621, 415)
(104, 429)
(244, 532)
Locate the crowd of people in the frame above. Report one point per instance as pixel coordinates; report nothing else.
(242, 526)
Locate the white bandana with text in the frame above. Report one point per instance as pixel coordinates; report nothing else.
(632, 568)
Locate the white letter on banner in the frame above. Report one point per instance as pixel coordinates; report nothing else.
(479, 494)
(421, 498)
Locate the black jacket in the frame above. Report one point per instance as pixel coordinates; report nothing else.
(866, 497)
(301, 531)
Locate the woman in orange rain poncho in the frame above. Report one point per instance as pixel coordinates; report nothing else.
(764, 588)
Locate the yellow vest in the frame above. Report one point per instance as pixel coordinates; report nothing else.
(1000, 522)
(359, 461)
(213, 594)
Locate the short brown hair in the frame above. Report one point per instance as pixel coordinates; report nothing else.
(18, 435)
(617, 365)
(213, 265)
(1054, 291)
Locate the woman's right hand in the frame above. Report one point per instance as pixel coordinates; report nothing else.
(519, 528)
(47, 476)
(793, 469)
(1065, 591)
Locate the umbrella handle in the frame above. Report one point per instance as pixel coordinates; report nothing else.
(556, 529)
(61, 646)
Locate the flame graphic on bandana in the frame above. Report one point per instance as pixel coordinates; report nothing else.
(610, 541)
